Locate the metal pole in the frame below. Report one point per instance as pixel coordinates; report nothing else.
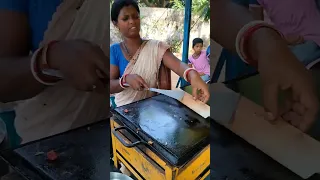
(186, 36)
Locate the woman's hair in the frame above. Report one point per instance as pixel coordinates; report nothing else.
(119, 4)
(196, 41)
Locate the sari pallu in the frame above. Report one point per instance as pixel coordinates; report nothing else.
(147, 63)
(61, 107)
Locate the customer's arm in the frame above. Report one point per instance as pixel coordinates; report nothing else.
(277, 65)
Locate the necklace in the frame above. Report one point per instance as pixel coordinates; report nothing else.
(127, 50)
(196, 56)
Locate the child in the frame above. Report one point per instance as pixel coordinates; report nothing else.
(298, 21)
(199, 59)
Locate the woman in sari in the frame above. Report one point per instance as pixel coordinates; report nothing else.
(137, 64)
(72, 37)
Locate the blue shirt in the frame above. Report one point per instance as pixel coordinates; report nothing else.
(117, 58)
(39, 13)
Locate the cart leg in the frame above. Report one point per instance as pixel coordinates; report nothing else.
(115, 158)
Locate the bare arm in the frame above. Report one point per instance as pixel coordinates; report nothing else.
(175, 64)
(256, 11)
(227, 19)
(225, 26)
(16, 80)
(114, 80)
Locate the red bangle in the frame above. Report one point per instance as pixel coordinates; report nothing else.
(123, 80)
(38, 71)
(187, 73)
(44, 61)
(245, 41)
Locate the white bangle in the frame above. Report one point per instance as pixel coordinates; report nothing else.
(120, 83)
(185, 73)
(33, 63)
(239, 38)
(240, 41)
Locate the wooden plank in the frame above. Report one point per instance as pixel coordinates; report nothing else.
(197, 106)
(281, 141)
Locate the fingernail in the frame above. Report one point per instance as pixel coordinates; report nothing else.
(194, 98)
(270, 116)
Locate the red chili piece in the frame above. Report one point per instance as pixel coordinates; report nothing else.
(52, 155)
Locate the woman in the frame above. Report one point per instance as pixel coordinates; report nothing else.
(278, 67)
(65, 37)
(136, 62)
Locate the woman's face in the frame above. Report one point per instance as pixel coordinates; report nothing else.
(129, 22)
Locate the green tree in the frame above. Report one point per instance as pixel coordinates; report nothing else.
(155, 3)
(199, 7)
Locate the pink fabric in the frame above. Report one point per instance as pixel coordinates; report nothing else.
(201, 64)
(294, 17)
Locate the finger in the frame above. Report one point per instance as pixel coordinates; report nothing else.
(270, 97)
(100, 60)
(201, 96)
(101, 74)
(195, 93)
(206, 95)
(298, 108)
(293, 118)
(310, 101)
(100, 88)
(287, 106)
(143, 82)
(90, 79)
(136, 86)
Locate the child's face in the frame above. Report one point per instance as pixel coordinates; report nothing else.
(198, 48)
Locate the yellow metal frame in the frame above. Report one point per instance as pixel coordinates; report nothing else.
(145, 164)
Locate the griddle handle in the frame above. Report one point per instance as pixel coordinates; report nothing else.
(128, 145)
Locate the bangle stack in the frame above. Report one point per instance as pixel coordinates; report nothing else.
(39, 64)
(122, 81)
(243, 38)
(186, 74)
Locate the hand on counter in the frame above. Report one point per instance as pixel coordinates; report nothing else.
(281, 70)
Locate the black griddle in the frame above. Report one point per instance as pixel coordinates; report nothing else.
(84, 153)
(177, 132)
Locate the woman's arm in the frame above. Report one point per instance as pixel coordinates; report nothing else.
(277, 65)
(228, 18)
(114, 80)
(176, 65)
(256, 11)
(14, 58)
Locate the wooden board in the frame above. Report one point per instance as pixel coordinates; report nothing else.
(197, 106)
(284, 143)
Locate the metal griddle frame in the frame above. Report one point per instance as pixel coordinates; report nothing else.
(142, 139)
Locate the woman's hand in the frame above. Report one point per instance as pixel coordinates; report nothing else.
(280, 69)
(83, 64)
(136, 82)
(200, 90)
(294, 39)
(201, 73)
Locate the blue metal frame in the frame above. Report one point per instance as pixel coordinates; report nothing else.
(235, 67)
(186, 37)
